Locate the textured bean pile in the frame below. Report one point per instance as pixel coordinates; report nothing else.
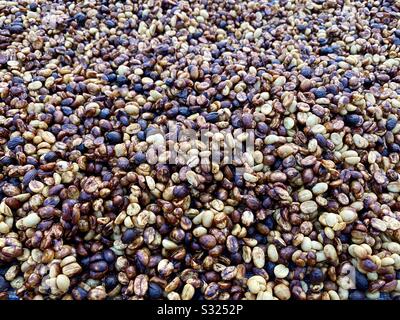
(89, 88)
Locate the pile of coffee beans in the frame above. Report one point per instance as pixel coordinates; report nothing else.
(105, 195)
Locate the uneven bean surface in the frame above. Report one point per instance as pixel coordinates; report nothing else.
(90, 210)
